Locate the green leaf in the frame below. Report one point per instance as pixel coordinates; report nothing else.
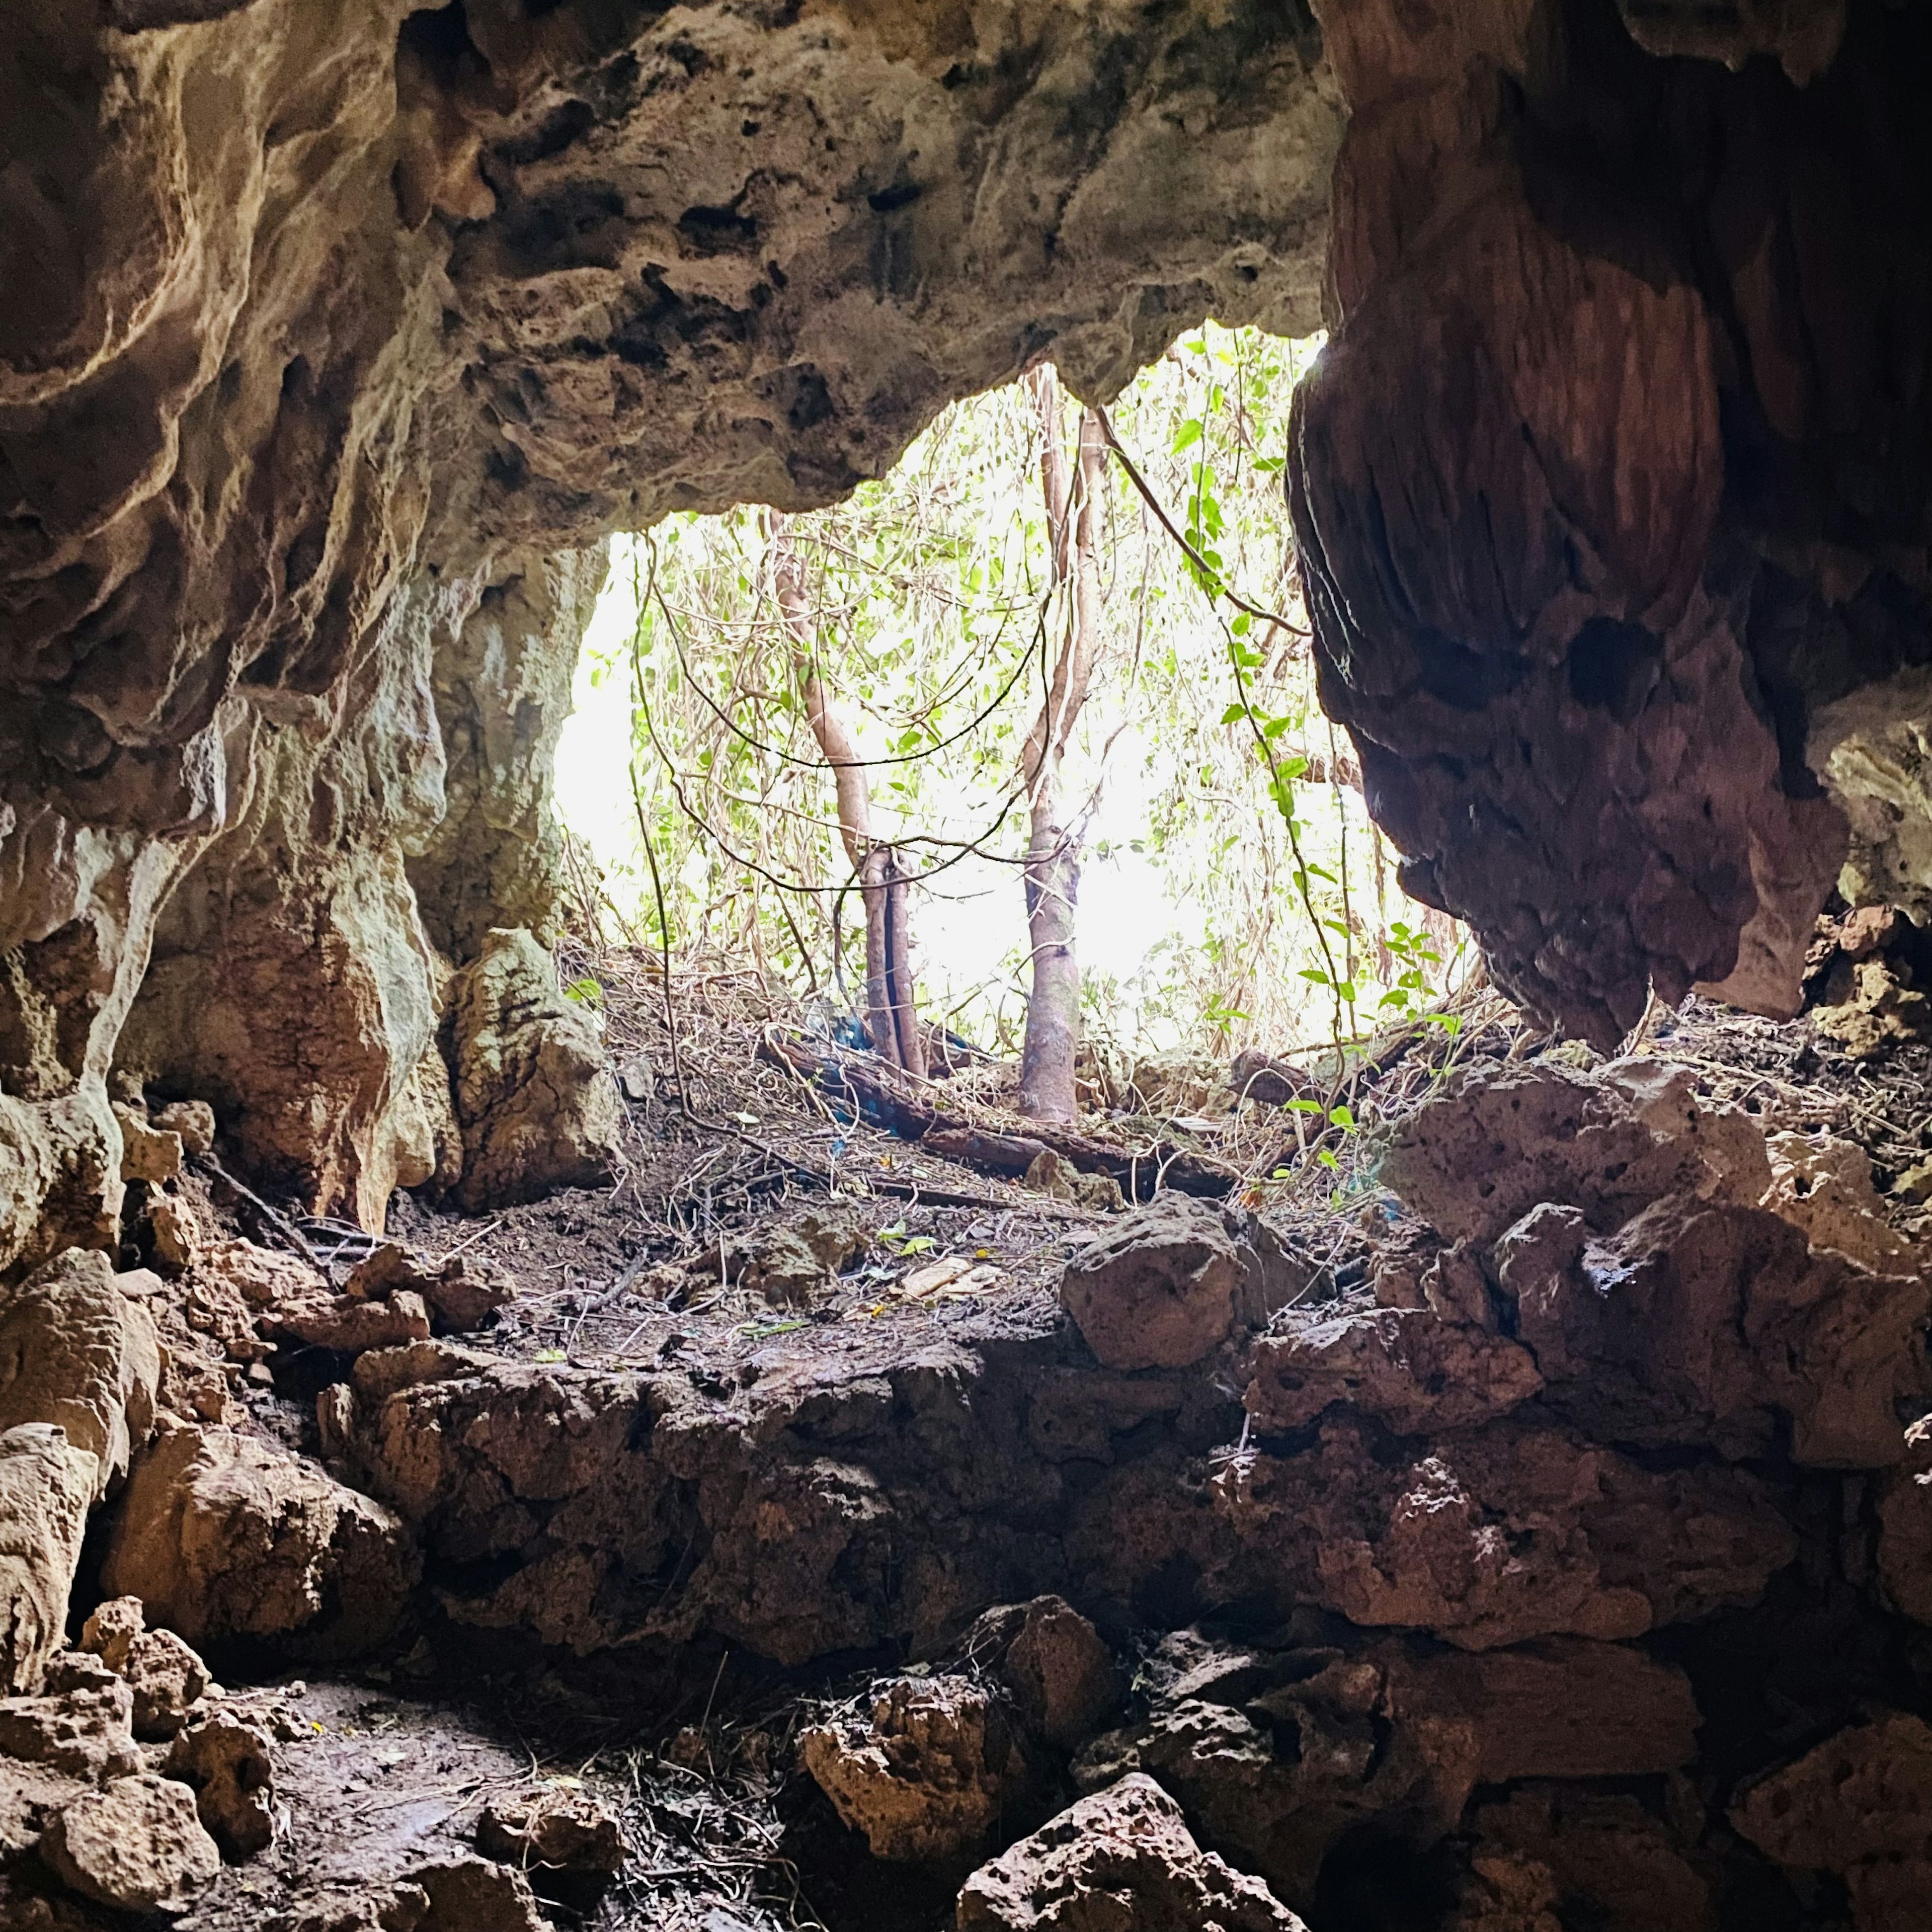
(1341, 1117)
(1188, 435)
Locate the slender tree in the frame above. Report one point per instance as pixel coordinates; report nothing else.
(891, 1023)
(1052, 872)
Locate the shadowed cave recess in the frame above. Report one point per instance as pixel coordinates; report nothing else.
(1542, 1545)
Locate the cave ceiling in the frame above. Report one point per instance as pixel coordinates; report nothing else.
(333, 331)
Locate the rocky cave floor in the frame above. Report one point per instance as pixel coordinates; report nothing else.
(703, 1478)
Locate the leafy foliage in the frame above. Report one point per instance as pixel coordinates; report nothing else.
(1234, 892)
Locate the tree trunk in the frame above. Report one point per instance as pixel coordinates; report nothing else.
(873, 865)
(1052, 872)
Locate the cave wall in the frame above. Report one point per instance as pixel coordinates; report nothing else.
(335, 331)
(1611, 487)
(332, 327)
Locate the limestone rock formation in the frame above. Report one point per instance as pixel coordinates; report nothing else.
(220, 1534)
(78, 1349)
(136, 1845)
(1157, 1289)
(534, 1094)
(46, 1488)
(296, 426)
(1582, 668)
(224, 1759)
(928, 1772)
(1120, 1857)
(1859, 1805)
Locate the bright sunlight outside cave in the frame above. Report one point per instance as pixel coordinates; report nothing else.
(924, 617)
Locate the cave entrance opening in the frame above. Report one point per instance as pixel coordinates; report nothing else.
(1025, 698)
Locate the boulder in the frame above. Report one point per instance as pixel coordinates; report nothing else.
(191, 1121)
(534, 1094)
(1605, 1854)
(222, 1534)
(110, 1630)
(927, 1771)
(224, 1760)
(1500, 1140)
(1276, 1754)
(136, 1845)
(1858, 1804)
(147, 1153)
(1501, 1535)
(1157, 1290)
(1823, 1185)
(1054, 1664)
(47, 1487)
(1121, 1858)
(167, 1679)
(30, 1795)
(555, 1825)
(175, 1233)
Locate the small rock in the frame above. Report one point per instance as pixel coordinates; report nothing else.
(1054, 1175)
(225, 1761)
(1121, 1861)
(1915, 1184)
(634, 1077)
(382, 1908)
(259, 1276)
(137, 1846)
(111, 1629)
(149, 1153)
(166, 1678)
(474, 1895)
(928, 1773)
(1157, 1290)
(382, 1372)
(1865, 929)
(349, 1326)
(87, 1732)
(568, 1830)
(80, 1670)
(176, 1234)
(193, 1120)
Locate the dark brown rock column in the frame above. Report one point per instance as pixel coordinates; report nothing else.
(1590, 484)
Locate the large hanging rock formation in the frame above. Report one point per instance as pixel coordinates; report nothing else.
(1612, 486)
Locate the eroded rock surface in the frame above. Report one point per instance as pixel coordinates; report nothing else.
(1121, 1857)
(220, 1534)
(537, 1103)
(1594, 670)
